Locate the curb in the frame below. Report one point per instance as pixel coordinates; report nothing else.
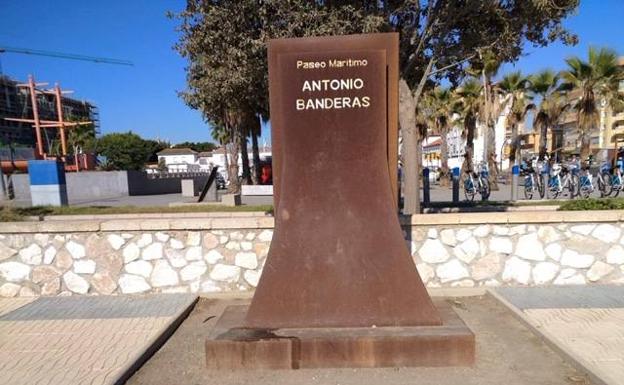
(572, 359)
(155, 343)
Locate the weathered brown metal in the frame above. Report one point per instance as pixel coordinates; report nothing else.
(231, 347)
(338, 257)
(387, 42)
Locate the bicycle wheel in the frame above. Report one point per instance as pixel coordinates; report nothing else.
(585, 190)
(528, 188)
(485, 189)
(540, 186)
(573, 186)
(553, 188)
(469, 190)
(601, 186)
(607, 178)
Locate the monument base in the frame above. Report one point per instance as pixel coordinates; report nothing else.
(230, 346)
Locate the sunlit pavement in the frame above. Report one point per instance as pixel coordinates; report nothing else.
(83, 340)
(585, 323)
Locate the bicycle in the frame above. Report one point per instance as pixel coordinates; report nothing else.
(532, 180)
(477, 183)
(586, 184)
(616, 180)
(604, 179)
(557, 183)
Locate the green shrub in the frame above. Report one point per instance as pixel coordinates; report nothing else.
(593, 204)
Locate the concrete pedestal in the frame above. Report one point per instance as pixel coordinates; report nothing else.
(188, 187)
(232, 346)
(231, 199)
(47, 183)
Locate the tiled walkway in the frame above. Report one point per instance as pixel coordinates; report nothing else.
(586, 323)
(82, 340)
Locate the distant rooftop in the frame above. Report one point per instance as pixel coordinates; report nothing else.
(177, 151)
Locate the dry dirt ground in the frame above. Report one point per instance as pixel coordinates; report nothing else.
(507, 354)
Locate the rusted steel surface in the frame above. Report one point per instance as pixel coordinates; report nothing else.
(232, 347)
(338, 257)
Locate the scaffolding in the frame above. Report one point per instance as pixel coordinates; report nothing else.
(27, 106)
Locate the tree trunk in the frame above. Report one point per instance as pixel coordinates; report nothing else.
(585, 147)
(419, 168)
(226, 162)
(235, 183)
(513, 151)
(255, 132)
(408, 102)
(245, 160)
(543, 141)
(411, 177)
(491, 159)
(470, 127)
(444, 168)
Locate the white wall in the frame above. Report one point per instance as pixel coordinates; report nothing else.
(178, 159)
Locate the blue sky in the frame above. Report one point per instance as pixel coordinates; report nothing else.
(143, 98)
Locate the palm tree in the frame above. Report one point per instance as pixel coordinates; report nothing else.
(514, 87)
(488, 68)
(442, 105)
(469, 94)
(255, 132)
(545, 84)
(597, 80)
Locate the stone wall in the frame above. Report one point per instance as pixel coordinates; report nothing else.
(210, 254)
(521, 254)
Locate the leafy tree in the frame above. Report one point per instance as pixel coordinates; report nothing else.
(81, 137)
(124, 151)
(162, 165)
(514, 87)
(225, 43)
(553, 104)
(197, 146)
(153, 147)
(440, 38)
(597, 80)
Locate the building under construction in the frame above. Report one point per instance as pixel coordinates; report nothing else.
(16, 102)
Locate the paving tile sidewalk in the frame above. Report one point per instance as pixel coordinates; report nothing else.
(83, 340)
(585, 323)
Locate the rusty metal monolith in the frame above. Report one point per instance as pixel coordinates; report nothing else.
(338, 257)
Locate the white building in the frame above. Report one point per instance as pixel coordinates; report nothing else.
(179, 160)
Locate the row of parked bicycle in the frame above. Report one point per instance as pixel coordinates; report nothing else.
(572, 179)
(553, 180)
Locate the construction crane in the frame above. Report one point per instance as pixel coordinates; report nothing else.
(61, 55)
